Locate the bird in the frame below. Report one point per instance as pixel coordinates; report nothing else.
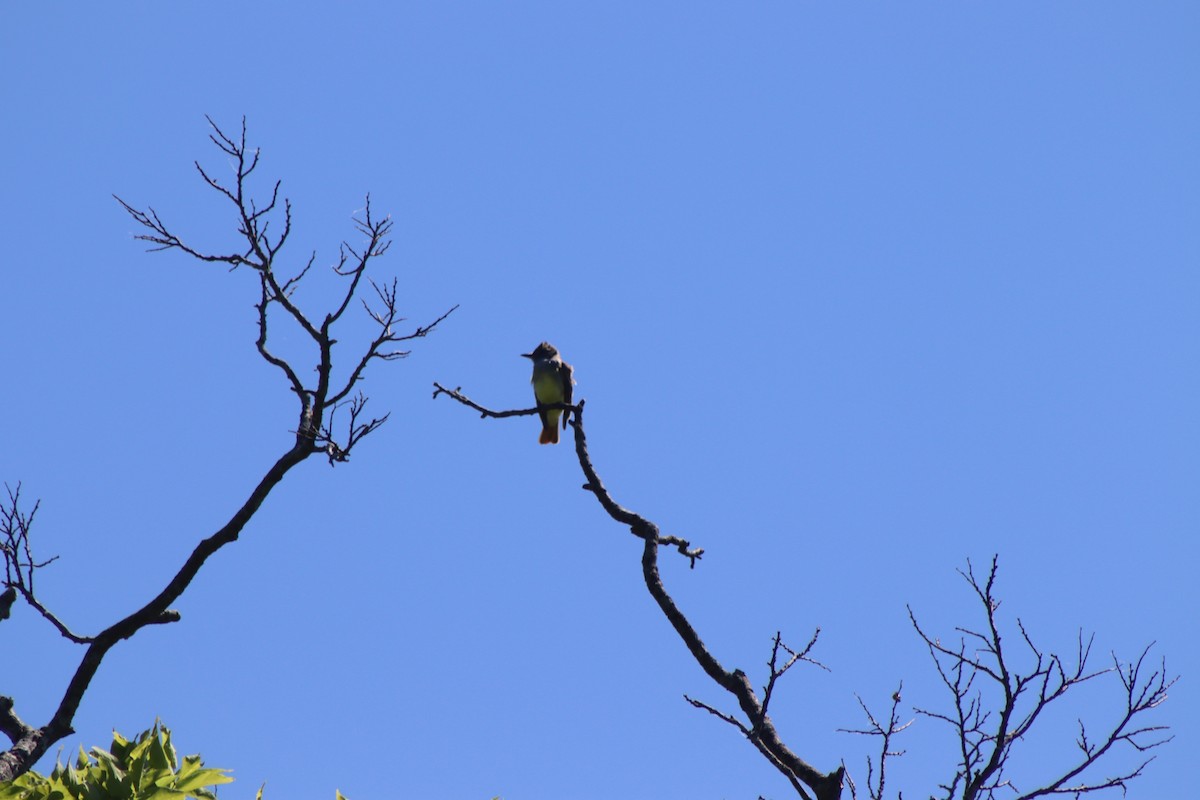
(552, 383)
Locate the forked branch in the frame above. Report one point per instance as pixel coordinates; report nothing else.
(754, 724)
(997, 697)
(319, 401)
(885, 732)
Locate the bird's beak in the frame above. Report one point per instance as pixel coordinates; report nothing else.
(526, 355)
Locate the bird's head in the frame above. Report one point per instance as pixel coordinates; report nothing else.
(543, 350)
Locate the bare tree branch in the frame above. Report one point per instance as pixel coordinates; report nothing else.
(20, 567)
(757, 726)
(996, 703)
(875, 783)
(314, 433)
(775, 672)
(485, 413)
(355, 430)
(386, 319)
(749, 734)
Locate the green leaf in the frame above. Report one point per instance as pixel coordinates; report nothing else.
(120, 746)
(169, 748)
(144, 768)
(81, 761)
(190, 764)
(202, 778)
(162, 793)
(159, 758)
(13, 791)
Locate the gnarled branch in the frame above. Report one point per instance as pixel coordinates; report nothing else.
(314, 432)
(757, 725)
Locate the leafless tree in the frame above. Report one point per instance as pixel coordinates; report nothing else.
(988, 725)
(318, 402)
(877, 779)
(995, 702)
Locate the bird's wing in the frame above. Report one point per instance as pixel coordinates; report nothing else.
(568, 389)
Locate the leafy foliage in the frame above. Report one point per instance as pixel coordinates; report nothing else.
(146, 768)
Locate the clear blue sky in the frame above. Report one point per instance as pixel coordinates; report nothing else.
(854, 293)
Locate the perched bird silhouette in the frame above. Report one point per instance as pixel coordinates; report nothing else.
(552, 383)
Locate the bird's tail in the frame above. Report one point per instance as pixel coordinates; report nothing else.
(550, 427)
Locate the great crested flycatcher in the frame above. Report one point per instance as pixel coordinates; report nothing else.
(552, 383)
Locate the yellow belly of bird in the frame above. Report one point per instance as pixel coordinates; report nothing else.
(548, 389)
